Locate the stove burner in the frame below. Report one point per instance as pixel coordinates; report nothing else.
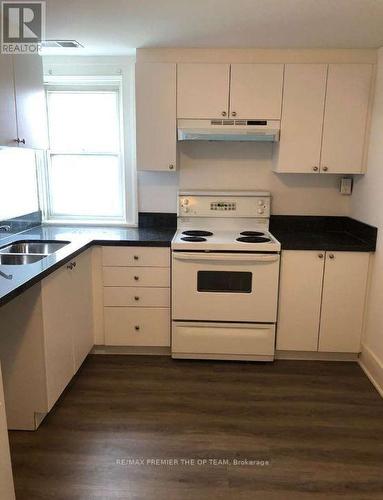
(252, 233)
(253, 239)
(193, 238)
(197, 233)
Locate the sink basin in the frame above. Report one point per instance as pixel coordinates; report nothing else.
(19, 260)
(33, 247)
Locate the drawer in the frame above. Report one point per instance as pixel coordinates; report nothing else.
(136, 276)
(136, 256)
(137, 327)
(136, 296)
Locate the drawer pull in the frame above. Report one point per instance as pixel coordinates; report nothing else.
(136, 298)
(136, 278)
(136, 257)
(137, 328)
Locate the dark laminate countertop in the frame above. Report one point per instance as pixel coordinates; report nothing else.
(80, 238)
(342, 234)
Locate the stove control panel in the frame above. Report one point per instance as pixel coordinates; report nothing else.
(227, 205)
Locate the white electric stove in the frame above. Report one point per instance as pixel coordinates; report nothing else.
(225, 271)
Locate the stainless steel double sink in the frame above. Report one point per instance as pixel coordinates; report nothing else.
(28, 251)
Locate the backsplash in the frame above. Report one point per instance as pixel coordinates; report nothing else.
(21, 223)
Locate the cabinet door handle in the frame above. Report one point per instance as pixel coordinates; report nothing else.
(136, 257)
(233, 113)
(74, 264)
(136, 298)
(331, 256)
(137, 328)
(324, 169)
(223, 113)
(22, 141)
(70, 266)
(320, 255)
(136, 278)
(315, 169)
(171, 166)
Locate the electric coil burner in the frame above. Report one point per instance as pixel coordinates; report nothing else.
(197, 233)
(251, 233)
(253, 239)
(225, 271)
(193, 238)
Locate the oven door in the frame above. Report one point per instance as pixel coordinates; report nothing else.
(225, 286)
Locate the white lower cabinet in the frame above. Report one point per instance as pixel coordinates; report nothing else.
(136, 296)
(322, 301)
(46, 333)
(7, 491)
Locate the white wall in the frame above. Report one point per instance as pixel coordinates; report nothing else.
(367, 205)
(249, 166)
(19, 183)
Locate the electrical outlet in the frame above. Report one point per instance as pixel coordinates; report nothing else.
(346, 185)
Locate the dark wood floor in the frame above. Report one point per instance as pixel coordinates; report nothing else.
(318, 427)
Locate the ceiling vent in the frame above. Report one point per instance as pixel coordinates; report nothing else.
(61, 44)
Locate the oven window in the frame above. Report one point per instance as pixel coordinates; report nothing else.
(224, 281)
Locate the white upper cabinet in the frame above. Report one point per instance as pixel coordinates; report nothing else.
(203, 90)
(256, 91)
(8, 127)
(344, 295)
(30, 102)
(324, 118)
(304, 92)
(156, 116)
(23, 120)
(345, 118)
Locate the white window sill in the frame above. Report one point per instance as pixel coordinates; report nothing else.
(71, 222)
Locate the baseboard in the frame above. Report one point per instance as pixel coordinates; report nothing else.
(133, 350)
(316, 356)
(372, 367)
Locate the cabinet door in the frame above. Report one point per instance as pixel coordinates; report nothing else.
(59, 322)
(7, 491)
(345, 119)
(300, 300)
(156, 116)
(81, 307)
(202, 90)
(302, 118)
(256, 91)
(8, 129)
(30, 102)
(344, 291)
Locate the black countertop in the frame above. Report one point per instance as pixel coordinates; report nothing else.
(341, 234)
(294, 233)
(80, 238)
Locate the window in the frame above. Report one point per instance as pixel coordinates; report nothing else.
(85, 172)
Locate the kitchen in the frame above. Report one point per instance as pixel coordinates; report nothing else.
(190, 270)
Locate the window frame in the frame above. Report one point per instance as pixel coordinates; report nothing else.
(126, 141)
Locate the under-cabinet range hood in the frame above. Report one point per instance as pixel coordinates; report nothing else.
(229, 130)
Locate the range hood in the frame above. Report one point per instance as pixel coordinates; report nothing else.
(228, 130)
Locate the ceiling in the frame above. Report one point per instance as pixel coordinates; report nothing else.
(115, 27)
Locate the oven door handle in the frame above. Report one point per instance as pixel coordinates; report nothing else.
(225, 257)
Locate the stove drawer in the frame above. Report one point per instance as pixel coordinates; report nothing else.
(136, 276)
(223, 340)
(136, 296)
